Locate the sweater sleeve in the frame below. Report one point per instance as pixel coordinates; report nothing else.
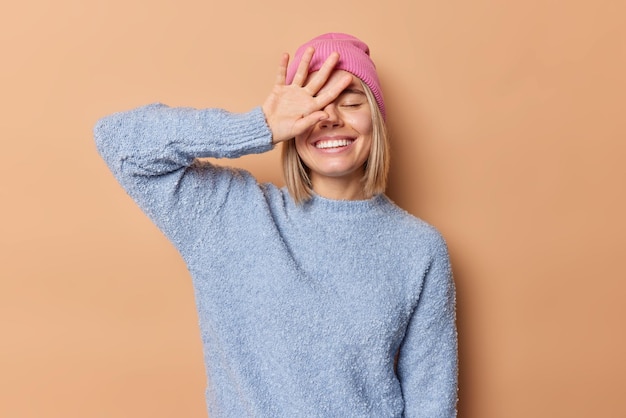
(153, 152)
(427, 363)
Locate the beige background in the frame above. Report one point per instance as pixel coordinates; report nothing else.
(508, 134)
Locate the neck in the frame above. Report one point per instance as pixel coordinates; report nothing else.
(339, 188)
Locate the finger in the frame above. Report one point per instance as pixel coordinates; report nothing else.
(281, 76)
(303, 67)
(322, 76)
(308, 121)
(332, 89)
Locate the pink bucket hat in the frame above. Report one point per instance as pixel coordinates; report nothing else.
(354, 58)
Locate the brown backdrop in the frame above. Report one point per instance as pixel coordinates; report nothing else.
(508, 135)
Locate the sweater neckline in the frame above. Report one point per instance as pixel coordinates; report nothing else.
(319, 204)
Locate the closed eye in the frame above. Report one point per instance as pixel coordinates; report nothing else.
(352, 98)
(353, 105)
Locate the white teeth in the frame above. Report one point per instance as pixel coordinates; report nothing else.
(333, 143)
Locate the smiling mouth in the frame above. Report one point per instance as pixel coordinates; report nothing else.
(333, 143)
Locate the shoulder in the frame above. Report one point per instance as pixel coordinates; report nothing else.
(413, 232)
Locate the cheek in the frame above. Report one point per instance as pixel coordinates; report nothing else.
(361, 122)
(302, 151)
(301, 140)
(300, 144)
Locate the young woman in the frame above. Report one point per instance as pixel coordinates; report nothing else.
(319, 299)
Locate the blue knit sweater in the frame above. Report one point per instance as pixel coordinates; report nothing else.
(303, 309)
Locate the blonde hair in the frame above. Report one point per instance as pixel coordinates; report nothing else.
(374, 179)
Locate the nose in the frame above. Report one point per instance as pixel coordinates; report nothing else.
(334, 119)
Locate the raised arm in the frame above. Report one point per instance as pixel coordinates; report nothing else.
(153, 150)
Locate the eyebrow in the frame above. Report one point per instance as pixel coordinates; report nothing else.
(353, 90)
